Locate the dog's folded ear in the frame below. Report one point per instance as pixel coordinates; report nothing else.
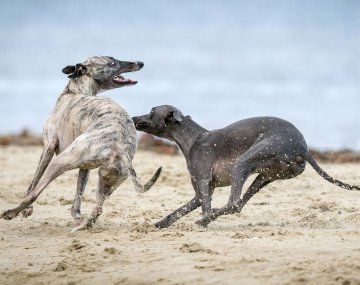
(76, 70)
(68, 69)
(173, 116)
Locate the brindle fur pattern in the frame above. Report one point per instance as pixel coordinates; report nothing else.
(272, 148)
(86, 132)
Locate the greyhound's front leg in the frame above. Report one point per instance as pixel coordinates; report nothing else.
(182, 211)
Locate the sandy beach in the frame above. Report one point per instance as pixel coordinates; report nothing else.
(299, 231)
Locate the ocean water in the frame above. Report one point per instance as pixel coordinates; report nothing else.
(218, 61)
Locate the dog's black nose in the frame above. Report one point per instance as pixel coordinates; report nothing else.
(140, 63)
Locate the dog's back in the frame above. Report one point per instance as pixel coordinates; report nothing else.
(77, 114)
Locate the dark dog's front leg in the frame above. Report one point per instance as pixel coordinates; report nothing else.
(182, 211)
(259, 182)
(203, 187)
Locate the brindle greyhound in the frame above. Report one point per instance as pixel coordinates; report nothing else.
(269, 146)
(86, 132)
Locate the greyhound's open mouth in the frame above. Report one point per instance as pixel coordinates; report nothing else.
(121, 80)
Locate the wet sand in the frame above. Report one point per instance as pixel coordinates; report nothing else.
(299, 231)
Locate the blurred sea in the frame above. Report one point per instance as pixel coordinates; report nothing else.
(218, 61)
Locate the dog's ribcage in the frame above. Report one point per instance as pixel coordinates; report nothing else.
(104, 119)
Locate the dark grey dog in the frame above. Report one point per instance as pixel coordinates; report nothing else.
(86, 131)
(269, 146)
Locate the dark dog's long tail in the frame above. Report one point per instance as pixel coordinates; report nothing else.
(138, 186)
(309, 158)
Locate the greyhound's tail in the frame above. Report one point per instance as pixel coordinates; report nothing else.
(138, 186)
(309, 158)
(143, 188)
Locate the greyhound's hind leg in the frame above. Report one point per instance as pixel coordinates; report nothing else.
(63, 162)
(46, 156)
(81, 183)
(109, 181)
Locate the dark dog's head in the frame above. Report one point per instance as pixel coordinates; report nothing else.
(161, 121)
(106, 71)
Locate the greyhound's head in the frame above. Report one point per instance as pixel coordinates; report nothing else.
(105, 71)
(161, 121)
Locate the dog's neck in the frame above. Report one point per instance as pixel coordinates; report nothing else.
(82, 85)
(186, 134)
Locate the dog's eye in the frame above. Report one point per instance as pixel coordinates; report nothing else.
(112, 63)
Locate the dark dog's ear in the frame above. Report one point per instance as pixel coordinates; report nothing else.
(75, 71)
(188, 117)
(173, 116)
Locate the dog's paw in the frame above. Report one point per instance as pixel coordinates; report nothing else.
(161, 225)
(27, 212)
(164, 223)
(78, 222)
(8, 215)
(82, 226)
(78, 219)
(79, 228)
(203, 222)
(75, 213)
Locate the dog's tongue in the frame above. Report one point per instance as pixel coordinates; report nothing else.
(122, 80)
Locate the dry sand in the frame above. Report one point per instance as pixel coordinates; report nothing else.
(300, 231)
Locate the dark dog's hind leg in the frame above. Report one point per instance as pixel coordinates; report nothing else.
(259, 182)
(271, 168)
